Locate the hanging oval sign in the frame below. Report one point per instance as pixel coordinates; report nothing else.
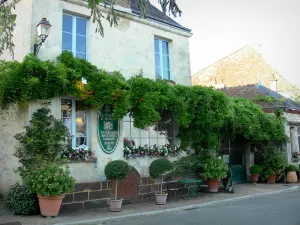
(108, 130)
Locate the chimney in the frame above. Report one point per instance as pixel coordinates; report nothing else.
(273, 84)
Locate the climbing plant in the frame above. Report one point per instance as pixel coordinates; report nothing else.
(201, 113)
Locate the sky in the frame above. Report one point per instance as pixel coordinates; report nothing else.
(221, 27)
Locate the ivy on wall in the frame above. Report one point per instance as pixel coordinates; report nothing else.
(201, 112)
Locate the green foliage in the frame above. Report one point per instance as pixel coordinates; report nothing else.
(255, 169)
(272, 160)
(202, 113)
(50, 180)
(116, 170)
(249, 121)
(291, 167)
(41, 142)
(20, 200)
(215, 168)
(159, 167)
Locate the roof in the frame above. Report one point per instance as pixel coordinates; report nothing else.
(155, 14)
(253, 90)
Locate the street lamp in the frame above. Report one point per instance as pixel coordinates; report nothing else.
(43, 29)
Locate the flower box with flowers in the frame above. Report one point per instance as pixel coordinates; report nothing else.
(131, 152)
(80, 153)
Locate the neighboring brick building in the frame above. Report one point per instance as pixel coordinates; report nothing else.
(243, 67)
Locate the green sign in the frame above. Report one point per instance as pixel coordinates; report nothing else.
(108, 130)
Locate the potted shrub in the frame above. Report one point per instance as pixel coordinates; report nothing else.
(158, 168)
(51, 183)
(116, 170)
(273, 161)
(271, 176)
(291, 174)
(255, 171)
(215, 169)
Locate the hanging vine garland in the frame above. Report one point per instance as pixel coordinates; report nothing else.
(200, 112)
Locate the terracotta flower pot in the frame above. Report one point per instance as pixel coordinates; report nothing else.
(272, 179)
(115, 205)
(50, 206)
(161, 199)
(213, 185)
(291, 177)
(254, 178)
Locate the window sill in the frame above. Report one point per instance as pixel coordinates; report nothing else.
(82, 161)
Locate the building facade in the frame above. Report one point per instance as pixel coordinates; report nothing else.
(157, 45)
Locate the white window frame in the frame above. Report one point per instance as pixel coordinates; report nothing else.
(74, 35)
(161, 40)
(73, 118)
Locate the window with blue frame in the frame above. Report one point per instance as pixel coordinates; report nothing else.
(162, 59)
(74, 35)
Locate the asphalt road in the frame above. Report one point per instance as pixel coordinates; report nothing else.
(280, 209)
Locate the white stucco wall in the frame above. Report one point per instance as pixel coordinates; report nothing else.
(127, 48)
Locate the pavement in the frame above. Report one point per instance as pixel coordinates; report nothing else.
(243, 192)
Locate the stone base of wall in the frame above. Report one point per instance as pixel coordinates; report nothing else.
(96, 195)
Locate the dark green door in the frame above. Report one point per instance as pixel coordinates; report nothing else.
(237, 162)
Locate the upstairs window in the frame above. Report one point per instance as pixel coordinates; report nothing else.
(162, 59)
(74, 35)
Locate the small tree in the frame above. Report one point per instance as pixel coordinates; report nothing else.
(255, 169)
(215, 168)
(158, 168)
(43, 141)
(116, 170)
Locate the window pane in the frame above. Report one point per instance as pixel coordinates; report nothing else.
(80, 26)
(145, 133)
(158, 74)
(66, 113)
(166, 62)
(67, 41)
(80, 44)
(165, 47)
(67, 23)
(166, 75)
(81, 55)
(81, 141)
(157, 60)
(156, 43)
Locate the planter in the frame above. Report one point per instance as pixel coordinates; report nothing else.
(272, 179)
(291, 177)
(161, 199)
(50, 206)
(213, 185)
(254, 178)
(115, 205)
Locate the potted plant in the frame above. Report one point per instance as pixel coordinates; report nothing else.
(51, 183)
(291, 174)
(215, 169)
(271, 176)
(255, 171)
(116, 170)
(158, 168)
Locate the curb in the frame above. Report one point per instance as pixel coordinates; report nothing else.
(181, 208)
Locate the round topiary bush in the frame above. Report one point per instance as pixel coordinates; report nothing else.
(116, 170)
(158, 167)
(255, 169)
(21, 201)
(291, 167)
